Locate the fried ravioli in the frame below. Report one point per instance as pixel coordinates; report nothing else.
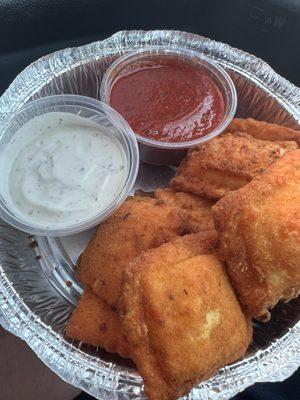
(181, 317)
(198, 210)
(263, 130)
(94, 322)
(259, 227)
(226, 163)
(140, 224)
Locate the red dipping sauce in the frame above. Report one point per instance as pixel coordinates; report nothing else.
(168, 99)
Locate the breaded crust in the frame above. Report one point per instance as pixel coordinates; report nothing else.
(263, 130)
(181, 317)
(94, 322)
(197, 210)
(226, 163)
(141, 223)
(259, 228)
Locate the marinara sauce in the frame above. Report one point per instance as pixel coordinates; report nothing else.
(167, 99)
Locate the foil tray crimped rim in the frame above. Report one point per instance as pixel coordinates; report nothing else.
(23, 87)
(275, 363)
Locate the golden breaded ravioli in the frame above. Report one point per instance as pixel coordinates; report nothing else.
(140, 224)
(263, 130)
(226, 163)
(259, 227)
(197, 210)
(94, 322)
(181, 317)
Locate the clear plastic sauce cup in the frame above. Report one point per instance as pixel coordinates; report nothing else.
(167, 153)
(67, 163)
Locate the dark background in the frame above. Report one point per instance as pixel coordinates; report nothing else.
(270, 29)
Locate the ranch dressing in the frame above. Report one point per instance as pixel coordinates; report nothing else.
(61, 169)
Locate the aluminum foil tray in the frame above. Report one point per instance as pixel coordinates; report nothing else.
(38, 290)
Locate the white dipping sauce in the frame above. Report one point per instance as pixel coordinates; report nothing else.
(61, 169)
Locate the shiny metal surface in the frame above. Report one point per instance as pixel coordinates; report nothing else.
(38, 289)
